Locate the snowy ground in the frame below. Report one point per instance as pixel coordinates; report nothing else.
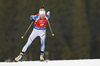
(92, 62)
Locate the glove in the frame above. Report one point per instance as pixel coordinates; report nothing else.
(31, 17)
(48, 13)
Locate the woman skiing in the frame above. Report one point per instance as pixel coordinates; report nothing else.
(38, 30)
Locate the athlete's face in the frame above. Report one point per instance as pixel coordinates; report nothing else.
(42, 17)
(42, 13)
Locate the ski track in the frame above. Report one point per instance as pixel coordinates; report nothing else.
(85, 62)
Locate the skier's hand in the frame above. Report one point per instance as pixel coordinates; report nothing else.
(31, 17)
(48, 13)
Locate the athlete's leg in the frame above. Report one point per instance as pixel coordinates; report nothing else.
(42, 38)
(32, 36)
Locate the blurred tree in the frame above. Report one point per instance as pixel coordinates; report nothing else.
(93, 12)
(80, 32)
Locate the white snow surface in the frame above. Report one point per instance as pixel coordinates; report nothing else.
(85, 62)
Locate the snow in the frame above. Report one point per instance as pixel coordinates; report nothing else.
(85, 62)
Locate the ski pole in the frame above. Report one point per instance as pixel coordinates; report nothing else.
(50, 28)
(27, 30)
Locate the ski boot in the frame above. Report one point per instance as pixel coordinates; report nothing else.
(19, 57)
(42, 56)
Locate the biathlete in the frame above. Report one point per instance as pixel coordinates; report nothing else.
(38, 30)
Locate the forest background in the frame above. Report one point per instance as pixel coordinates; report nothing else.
(75, 23)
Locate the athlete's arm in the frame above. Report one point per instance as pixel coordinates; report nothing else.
(34, 17)
(48, 14)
